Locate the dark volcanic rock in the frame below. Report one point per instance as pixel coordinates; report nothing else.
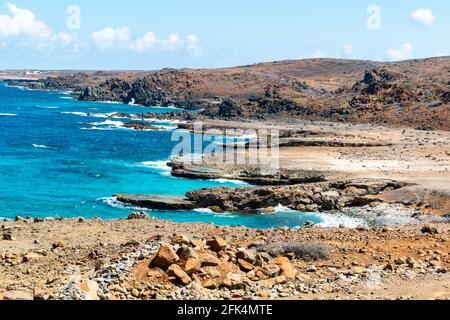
(110, 90)
(157, 201)
(141, 126)
(227, 109)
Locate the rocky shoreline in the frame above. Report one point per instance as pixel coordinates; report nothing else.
(307, 197)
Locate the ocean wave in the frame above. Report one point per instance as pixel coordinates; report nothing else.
(237, 182)
(154, 120)
(160, 166)
(67, 98)
(118, 124)
(215, 214)
(113, 202)
(337, 220)
(99, 129)
(110, 102)
(8, 114)
(40, 146)
(76, 113)
(282, 209)
(45, 107)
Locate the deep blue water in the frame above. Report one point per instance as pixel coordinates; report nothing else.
(55, 160)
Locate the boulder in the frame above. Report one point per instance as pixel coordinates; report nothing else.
(208, 259)
(286, 267)
(245, 266)
(175, 271)
(217, 244)
(427, 229)
(198, 243)
(181, 239)
(247, 255)
(138, 215)
(165, 257)
(232, 281)
(186, 252)
(192, 265)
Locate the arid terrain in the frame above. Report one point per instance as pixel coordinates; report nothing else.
(411, 94)
(358, 138)
(113, 260)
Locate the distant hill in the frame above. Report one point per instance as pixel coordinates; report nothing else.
(414, 93)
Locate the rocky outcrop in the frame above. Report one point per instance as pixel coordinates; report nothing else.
(110, 90)
(157, 201)
(227, 109)
(163, 88)
(324, 196)
(312, 197)
(251, 175)
(141, 126)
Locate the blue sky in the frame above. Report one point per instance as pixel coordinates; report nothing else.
(138, 34)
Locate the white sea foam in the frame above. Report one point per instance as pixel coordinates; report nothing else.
(110, 102)
(337, 220)
(204, 210)
(67, 98)
(328, 220)
(81, 114)
(99, 129)
(108, 123)
(282, 209)
(216, 214)
(160, 166)
(40, 146)
(45, 107)
(113, 202)
(237, 182)
(8, 114)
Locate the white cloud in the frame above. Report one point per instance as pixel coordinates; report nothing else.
(148, 43)
(405, 52)
(111, 37)
(423, 16)
(348, 49)
(22, 22)
(144, 43)
(192, 45)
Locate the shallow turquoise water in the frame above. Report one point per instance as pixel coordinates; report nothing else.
(56, 160)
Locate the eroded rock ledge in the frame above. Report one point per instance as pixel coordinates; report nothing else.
(248, 174)
(310, 197)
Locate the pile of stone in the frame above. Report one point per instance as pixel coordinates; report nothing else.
(211, 268)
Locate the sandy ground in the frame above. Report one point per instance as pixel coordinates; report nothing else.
(413, 156)
(46, 253)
